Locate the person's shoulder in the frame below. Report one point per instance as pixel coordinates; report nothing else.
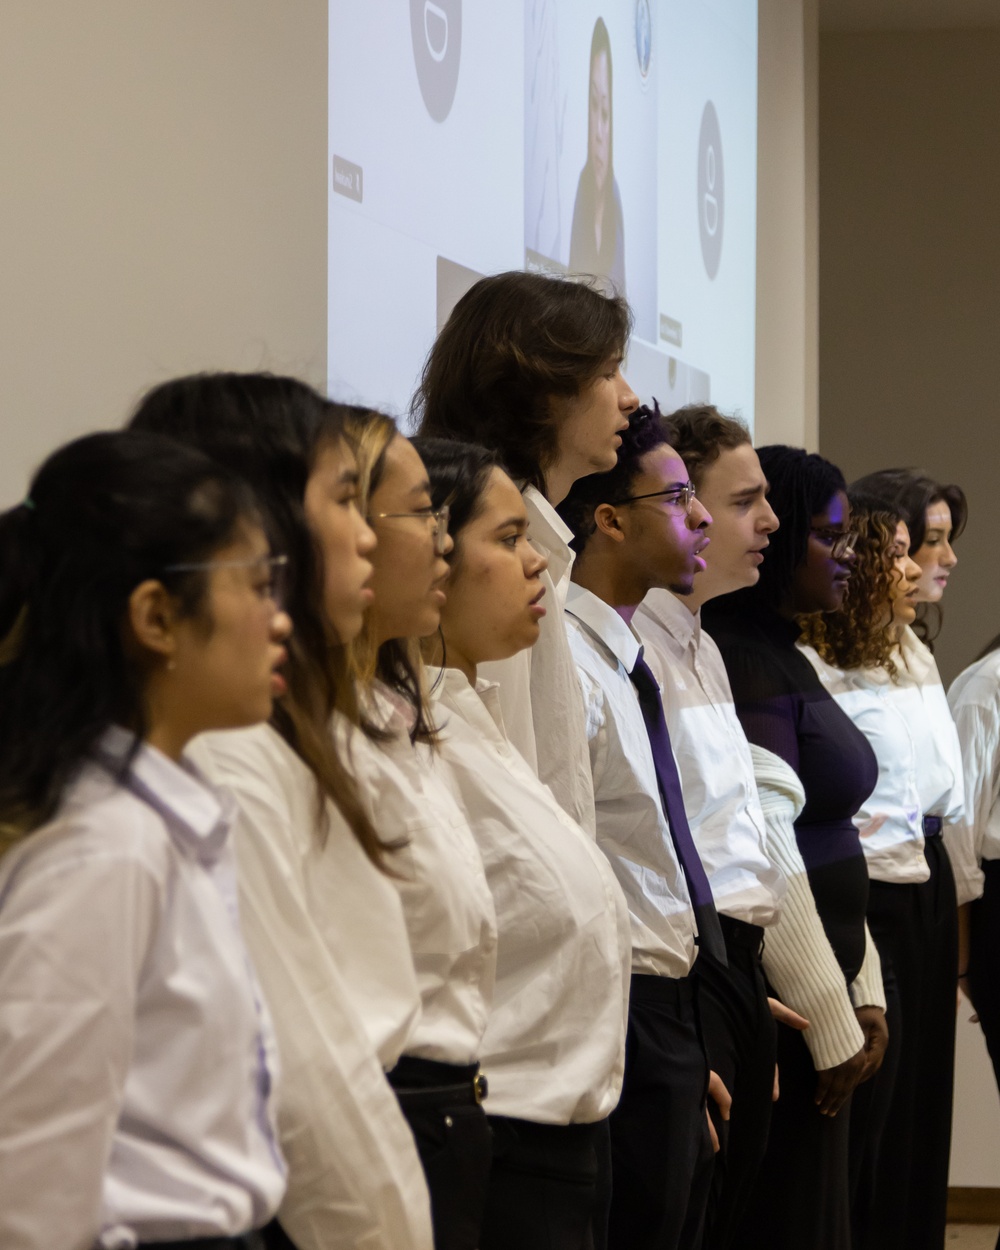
(99, 823)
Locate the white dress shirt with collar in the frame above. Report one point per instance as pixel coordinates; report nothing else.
(554, 1049)
(713, 758)
(909, 727)
(974, 699)
(136, 1055)
(441, 881)
(632, 829)
(328, 937)
(539, 688)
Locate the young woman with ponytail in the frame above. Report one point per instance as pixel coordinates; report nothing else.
(137, 1063)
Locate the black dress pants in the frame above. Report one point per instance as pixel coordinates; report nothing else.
(740, 1041)
(454, 1143)
(547, 1186)
(984, 961)
(902, 1201)
(801, 1200)
(660, 1146)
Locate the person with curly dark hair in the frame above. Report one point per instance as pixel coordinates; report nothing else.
(869, 659)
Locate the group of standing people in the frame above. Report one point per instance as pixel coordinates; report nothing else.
(545, 833)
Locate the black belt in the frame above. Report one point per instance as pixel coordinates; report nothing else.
(249, 1241)
(739, 933)
(932, 826)
(418, 1081)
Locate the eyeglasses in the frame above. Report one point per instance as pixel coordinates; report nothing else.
(276, 566)
(840, 544)
(683, 495)
(438, 517)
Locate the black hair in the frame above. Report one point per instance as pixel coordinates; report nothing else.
(802, 485)
(911, 492)
(104, 514)
(645, 432)
(270, 430)
(459, 474)
(513, 343)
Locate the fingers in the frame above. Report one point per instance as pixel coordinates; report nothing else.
(712, 1133)
(785, 1015)
(719, 1094)
(776, 1090)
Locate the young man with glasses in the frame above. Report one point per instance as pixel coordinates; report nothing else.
(635, 528)
(530, 367)
(746, 863)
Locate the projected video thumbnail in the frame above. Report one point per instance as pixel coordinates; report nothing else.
(614, 138)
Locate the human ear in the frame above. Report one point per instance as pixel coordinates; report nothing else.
(152, 618)
(608, 522)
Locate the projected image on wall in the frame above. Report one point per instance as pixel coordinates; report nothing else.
(610, 138)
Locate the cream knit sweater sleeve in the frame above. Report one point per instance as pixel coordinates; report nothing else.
(798, 959)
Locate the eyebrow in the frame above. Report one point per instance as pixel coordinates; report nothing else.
(349, 477)
(749, 492)
(520, 523)
(421, 488)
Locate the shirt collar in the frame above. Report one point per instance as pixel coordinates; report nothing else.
(549, 530)
(604, 622)
(670, 613)
(451, 687)
(197, 814)
(918, 660)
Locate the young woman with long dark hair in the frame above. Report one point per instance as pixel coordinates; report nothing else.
(554, 1042)
(869, 660)
(909, 1201)
(322, 915)
(802, 1198)
(137, 610)
(438, 871)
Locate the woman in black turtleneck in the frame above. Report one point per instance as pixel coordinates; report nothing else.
(803, 1194)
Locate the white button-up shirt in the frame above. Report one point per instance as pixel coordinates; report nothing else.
(446, 901)
(632, 829)
(713, 758)
(539, 689)
(328, 937)
(136, 1056)
(554, 1048)
(975, 703)
(909, 727)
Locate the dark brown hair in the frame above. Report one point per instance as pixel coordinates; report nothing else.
(855, 636)
(699, 433)
(270, 430)
(514, 342)
(912, 492)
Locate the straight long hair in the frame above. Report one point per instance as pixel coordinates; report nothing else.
(104, 514)
(270, 430)
(398, 662)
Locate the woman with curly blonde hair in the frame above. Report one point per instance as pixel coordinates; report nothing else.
(869, 659)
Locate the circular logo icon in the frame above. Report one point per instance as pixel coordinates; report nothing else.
(436, 28)
(711, 190)
(643, 36)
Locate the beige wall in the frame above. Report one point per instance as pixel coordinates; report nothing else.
(164, 207)
(910, 281)
(786, 400)
(910, 340)
(163, 204)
